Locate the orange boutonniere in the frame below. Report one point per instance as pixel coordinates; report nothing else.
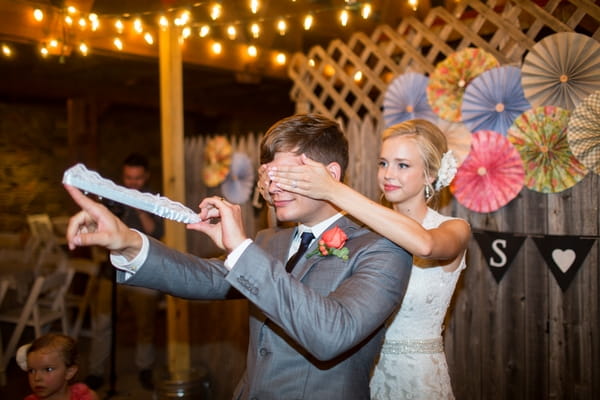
(332, 242)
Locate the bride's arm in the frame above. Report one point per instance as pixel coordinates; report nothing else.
(314, 180)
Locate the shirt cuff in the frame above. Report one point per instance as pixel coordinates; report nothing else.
(130, 267)
(235, 255)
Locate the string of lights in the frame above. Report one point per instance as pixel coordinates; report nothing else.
(203, 19)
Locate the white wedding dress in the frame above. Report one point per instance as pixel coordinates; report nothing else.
(412, 363)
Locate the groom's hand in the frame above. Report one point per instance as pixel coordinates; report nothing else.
(95, 225)
(222, 222)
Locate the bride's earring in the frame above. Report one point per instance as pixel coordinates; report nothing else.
(428, 192)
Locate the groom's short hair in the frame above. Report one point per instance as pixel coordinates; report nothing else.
(315, 135)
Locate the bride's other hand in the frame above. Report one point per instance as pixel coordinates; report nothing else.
(311, 178)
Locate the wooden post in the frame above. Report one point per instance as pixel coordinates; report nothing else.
(171, 101)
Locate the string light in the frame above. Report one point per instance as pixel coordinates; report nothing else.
(38, 15)
(118, 43)
(6, 50)
(255, 30)
(231, 32)
(149, 38)
(204, 31)
(163, 22)
(280, 58)
(119, 26)
(183, 17)
(44, 51)
(83, 49)
(308, 21)
(215, 11)
(138, 26)
(217, 48)
(344, 17)
(366, 11)
(282, 26)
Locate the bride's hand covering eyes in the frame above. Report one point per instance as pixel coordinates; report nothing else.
(311, 178)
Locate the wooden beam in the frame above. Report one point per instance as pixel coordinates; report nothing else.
(171, 100)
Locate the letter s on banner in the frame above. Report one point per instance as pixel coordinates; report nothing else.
(496, 244)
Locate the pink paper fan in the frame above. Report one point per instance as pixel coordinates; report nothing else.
(491, 175)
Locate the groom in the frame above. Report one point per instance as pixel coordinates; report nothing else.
(314, 331)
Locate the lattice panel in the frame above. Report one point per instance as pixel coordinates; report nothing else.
(324, 79)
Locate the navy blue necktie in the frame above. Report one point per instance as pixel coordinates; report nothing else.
(305, 240)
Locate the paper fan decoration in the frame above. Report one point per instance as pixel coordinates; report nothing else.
(561, 70)
(448, 81)
(493, 100)
(217, 159)
(540, 137)
(491, 175)
(405, 98)
(458, 138)
(583, 132)
(240, 181)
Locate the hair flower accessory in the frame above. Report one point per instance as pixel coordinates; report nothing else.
(448, 168)
(332, 242)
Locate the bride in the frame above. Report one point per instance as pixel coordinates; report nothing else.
(414, 164)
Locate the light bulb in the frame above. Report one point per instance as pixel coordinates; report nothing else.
(255, 30)
(281, 27)
(38, 15)
(308, 21)
(204, 30)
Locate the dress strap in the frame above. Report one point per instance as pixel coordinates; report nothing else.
(435, 345)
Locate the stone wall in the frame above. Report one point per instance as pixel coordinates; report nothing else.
(34, 154)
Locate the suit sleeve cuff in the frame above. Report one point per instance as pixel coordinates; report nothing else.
(234, 256)
(130, 267)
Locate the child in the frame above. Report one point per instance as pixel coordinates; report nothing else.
(51, 362)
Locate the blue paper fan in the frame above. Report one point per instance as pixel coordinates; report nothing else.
(493, 100)
(238, 185)
(406, 98)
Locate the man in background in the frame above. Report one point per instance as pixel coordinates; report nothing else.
(142, 302)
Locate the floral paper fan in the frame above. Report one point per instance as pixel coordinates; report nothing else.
(448, 81)
(491, 175)
(458, 137)
(583, 132)
(217, 160)
(240, 181)
(540, 137)
(561, 70)
(405, 98)
(494, 99)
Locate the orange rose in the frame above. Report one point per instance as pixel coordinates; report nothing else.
(335, 238)
(332, 243)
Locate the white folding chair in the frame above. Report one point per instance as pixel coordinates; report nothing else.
(44, 305)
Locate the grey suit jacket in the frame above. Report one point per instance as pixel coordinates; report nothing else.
(315, 333)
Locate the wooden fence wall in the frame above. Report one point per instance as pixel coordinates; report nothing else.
(522, 338)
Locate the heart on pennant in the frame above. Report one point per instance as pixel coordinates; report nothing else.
(563, 258)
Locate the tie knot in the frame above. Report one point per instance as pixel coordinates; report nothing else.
(306, 238)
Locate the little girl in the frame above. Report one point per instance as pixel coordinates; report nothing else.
(51, 362)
